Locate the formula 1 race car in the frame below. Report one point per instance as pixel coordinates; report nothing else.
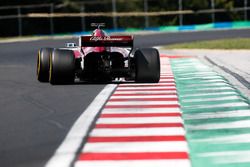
(98, 58)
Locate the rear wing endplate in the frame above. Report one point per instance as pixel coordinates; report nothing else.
(116, 41)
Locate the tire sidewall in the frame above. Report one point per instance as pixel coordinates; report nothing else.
(62, 67)
(147, 63)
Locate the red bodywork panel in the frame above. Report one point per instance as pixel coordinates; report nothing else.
(99, 42)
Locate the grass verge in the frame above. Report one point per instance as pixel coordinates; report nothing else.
(235, 43)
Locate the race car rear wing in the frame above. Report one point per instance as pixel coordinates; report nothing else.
(116, 41)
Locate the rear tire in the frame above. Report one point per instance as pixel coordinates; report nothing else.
(42, 70)
(62, 67)
(147, 65)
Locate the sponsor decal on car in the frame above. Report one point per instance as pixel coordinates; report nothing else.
(105, 38)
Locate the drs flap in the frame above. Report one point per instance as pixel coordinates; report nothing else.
(116, 41)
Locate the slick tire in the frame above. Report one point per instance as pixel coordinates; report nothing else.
(62, 67)
(42, 70)
(147, 65)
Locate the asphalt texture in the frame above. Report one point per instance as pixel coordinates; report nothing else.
(35, 117)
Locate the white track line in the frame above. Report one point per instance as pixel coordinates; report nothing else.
(222, 114)
(129, 147)
(210, 81)
(111, 103)
(66, 152)
(213, 99)
(225, 105)
(149, 88)
(224, 153)
(191, 65)
(151, 84)
(211, 89)
(202, 69)
(110, 132)
(227, 125)
(235, 159)
(228, 157)
(206, 84)
(138, 120)
(135, 163)
(208, 94)
(201, 78)
(140, 110)
(167, 74)
(199, 73)
(143, 96)
(143, 92)
(240, 138)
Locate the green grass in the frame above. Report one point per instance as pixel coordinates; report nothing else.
(236, 43)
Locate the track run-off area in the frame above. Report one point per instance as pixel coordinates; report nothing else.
(192, 117)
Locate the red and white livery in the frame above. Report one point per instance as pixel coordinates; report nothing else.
(99, 57)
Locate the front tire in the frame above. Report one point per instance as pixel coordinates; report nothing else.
(62, 67)
(42, 71)
(147, 65)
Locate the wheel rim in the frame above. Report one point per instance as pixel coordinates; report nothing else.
(50, 67)
(38, 64)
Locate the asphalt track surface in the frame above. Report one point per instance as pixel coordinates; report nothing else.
(35, 117)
